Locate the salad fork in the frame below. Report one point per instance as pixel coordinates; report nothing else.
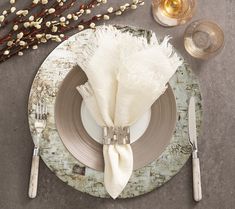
(40, 124)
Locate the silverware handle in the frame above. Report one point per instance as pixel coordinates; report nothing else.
(197, 189)
(33, 182)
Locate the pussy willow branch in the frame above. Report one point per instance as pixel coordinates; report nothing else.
(16, 19)
(43, 13)
(50, 24)
(46, 17)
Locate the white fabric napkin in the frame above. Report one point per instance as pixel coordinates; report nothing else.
(126, 75)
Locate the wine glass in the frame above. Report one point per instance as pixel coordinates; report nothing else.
(173, 12)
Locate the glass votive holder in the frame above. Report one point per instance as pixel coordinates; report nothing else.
(203, 39)
(173, 12)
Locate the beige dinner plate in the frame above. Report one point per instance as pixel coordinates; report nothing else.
(89, 152)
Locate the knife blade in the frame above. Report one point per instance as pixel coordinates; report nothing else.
(192, 124)
(197, 190)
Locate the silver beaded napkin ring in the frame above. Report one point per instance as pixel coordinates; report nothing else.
(116, 135)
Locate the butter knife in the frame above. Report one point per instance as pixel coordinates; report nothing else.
(197, 189)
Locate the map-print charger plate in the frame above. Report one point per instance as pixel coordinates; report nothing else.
(56, 156)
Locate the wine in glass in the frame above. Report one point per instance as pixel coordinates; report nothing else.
(173, 12)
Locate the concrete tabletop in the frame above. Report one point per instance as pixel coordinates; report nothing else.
(216, 144)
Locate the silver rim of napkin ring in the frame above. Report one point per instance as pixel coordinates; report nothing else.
(116, 135)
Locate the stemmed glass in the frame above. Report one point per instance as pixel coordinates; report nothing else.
(173, 12)
(203, 39)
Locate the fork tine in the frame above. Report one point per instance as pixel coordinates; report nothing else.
(41, 106)
(41, 110)
(44, 111)
(37, 111)
(44, 108)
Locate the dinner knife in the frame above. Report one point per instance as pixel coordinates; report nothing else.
(197, 190)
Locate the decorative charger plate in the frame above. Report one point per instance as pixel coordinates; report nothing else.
(53, 152)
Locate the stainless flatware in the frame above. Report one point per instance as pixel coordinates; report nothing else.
(197, 190)
(40, 124)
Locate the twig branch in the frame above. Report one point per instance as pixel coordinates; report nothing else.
(49, 24)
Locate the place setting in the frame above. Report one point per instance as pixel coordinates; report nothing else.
(72, 142)
(114, 110)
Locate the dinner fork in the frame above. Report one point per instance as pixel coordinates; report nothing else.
(40, 124)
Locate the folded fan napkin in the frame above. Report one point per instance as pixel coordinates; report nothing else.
(126, 74)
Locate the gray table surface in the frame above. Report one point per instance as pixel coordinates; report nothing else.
(216, 144)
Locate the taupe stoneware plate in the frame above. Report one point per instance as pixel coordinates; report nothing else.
(89, 152)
